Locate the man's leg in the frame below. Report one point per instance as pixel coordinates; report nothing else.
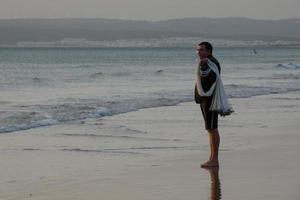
(214, 141)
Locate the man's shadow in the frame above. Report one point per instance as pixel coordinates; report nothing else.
(215, 183)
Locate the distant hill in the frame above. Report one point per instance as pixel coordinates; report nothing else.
(20, 30)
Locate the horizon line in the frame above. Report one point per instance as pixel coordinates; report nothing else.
(141, 20)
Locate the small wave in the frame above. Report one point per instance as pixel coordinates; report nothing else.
(155, 147)
(37, 80)
(96, 75)
(289, 65)
(30, 149)
(121, 74)
(159, 71)
(125, 150)
(100, 136)
(246, 91)
(118, 136)
(102, 151)
(286, 98)
(233, 85)
(24, 120)
(86, 65)
(285, 76)
(79, 109)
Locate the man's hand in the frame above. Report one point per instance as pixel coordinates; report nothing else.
(203, 61)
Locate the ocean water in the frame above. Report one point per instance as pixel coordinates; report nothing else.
(46, 86)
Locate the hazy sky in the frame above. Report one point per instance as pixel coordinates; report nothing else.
(149, 9)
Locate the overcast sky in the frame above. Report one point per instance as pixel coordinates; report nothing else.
(149, 9)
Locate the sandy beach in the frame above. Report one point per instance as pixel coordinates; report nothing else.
(259, 155)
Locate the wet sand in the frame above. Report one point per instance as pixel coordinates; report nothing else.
(259, 156)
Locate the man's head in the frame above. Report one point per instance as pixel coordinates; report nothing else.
(204, 50)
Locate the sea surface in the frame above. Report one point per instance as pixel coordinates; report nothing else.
(44, 86)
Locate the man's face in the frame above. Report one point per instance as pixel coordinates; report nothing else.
(202, 51)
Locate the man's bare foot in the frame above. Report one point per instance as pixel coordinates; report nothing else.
(210, 163)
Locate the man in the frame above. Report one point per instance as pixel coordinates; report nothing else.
(204, 50)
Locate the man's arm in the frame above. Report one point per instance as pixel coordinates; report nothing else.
(214, 60)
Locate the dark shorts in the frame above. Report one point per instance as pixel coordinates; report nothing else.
(210, 117)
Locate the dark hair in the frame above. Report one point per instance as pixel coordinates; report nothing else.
(207, 45)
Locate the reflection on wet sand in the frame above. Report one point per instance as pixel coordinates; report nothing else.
(215, 183)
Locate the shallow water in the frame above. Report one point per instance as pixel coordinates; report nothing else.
(46, 86)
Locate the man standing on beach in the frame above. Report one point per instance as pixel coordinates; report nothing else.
(204, 50)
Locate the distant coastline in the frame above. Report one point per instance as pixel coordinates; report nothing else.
(114, 32)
